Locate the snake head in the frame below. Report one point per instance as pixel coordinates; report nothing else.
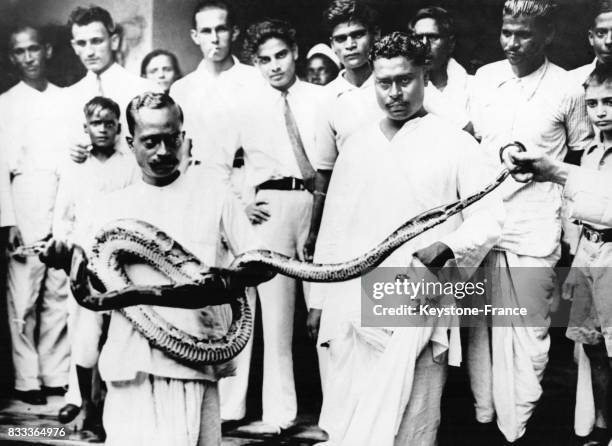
(250, 274)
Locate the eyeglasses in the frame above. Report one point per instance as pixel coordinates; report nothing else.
(430, 37)
(341, 38)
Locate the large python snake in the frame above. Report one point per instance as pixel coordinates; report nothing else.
(196, 285)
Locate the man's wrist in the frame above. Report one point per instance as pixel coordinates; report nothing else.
(560, 172)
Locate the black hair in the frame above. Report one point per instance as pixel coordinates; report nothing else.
(150, 100)
(260, 32)
(443, 18)
(220, 4)
(398, 44)
(344, 11)
(81, 16)
(160, 52)
(99, 103)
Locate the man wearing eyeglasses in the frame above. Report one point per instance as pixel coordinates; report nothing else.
(448, 81)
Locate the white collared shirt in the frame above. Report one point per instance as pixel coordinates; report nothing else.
(588, 196)
(82, 186)
(268, 150)
(347, 109)
(581, 74)
(31, 144)
(544, 110)
(340, 85)
(377, 185)
(210, 104)
(451, 103)
(196, 210)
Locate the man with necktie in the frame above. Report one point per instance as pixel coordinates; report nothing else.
(278, 131)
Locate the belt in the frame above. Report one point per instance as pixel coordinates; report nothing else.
(596, 235)
(286, 183)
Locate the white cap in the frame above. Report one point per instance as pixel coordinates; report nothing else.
(321, 48)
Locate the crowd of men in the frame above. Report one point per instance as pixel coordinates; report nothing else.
(387, 127)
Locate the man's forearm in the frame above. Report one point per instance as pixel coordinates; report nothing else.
(321, 183)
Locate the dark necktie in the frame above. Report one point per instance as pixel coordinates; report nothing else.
(308, 172)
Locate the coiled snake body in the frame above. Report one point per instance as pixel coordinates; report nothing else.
(196, 285)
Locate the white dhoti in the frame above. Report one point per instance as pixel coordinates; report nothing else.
(156, 411)
(353, 356)
(505, 377)
(401, 404)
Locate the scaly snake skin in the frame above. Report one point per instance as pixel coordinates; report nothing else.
(195, 285)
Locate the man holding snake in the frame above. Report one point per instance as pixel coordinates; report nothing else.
(152, 398)
(393, 169)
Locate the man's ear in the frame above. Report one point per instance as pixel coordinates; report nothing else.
(85, 127)
(235, 33)
(118, 128)
(591, 37)
(115, 42)
(550, 35)
(194, 36)
(451, 45)
(48, 51)
(74, 46)
(130, 141)
(425, 76)
(295, 52)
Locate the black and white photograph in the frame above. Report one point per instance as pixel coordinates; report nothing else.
(306, 222)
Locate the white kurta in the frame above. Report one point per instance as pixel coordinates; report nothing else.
(377, 185)
(207, 210)
(196, 210)
(350, 108)
(544, 109)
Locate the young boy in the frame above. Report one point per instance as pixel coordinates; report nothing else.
(588, 283)
(108, 168)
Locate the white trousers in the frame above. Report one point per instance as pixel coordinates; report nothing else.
(157, 411)
(505, 371)
(40, 347)
(233, 389)
(284, 232)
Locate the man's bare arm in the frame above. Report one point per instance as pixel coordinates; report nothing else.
(534, 166)
(321, 182)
